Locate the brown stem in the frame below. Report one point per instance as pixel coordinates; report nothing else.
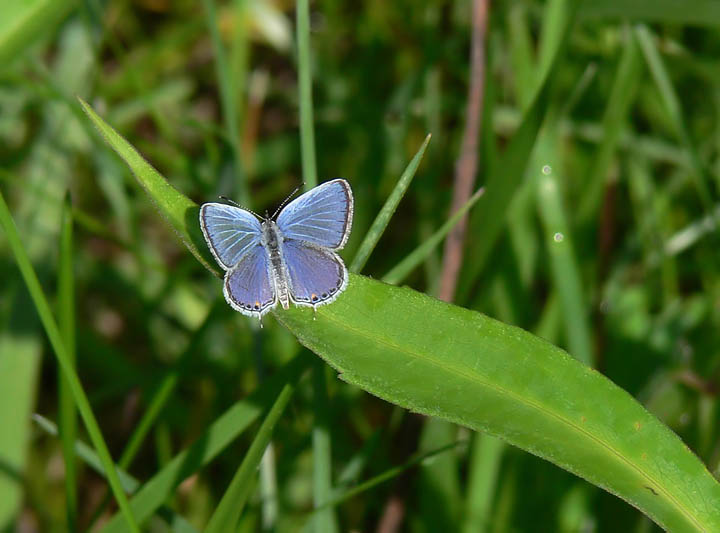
(466, 166)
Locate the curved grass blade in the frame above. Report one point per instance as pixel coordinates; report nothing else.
(228, 511)
(400, 271)
(66, 408)
(446, 361)
(674, 110)
(66, 365)
(388, 210)
(214, 440)
(180, 212)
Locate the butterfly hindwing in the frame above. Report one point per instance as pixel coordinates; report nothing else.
(248, 287)
(230, 231)
(322, 216)
(315, 275)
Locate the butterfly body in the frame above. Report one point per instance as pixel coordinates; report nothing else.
(291, 259)
(271, 240)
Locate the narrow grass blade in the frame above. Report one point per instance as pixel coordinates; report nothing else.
(400, 271)
(383, 218)
(442, 360)
(66, 319)
(389, 474)
(694, 12)
(307, 133)
(228, 97)
(674, 109)
(129, 483)
(487, 452)
(66, 365)
(214, 440)
(622, 94)
(180, 212)
(558, 241)
(489, 219)
(322, 451)
(88, 455)
(228, 511)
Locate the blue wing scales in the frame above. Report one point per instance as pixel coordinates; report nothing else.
(316, 275)
(230, 231)
(247, 287)
(322, 216)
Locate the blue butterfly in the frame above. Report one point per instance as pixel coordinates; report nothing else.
(289, 259)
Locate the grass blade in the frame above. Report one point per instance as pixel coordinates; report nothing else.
(214, 440)
(307, 133)
(66, 365)
(400, 271)
(565, 269)
(228, 98)
(228, 512)
(489, 219)
(383, 218)
(622, 94)
(485, 461)
(66, 408)
(674, 109)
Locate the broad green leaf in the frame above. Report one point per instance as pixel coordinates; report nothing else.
(446, 361)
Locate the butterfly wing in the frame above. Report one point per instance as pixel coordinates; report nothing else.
(316, 275)
(248, 287)
(229, 231)
(322, 216)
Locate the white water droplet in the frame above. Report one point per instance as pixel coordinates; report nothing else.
(546, 169)
(558, 237)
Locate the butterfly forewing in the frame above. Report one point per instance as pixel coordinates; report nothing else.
(316, 276)
(230, 231)
(321, 216)
(248, 287)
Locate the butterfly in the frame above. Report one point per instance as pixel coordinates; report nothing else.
(289, 257)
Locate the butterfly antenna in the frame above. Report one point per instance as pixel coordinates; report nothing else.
(284, 203)
(228, 200)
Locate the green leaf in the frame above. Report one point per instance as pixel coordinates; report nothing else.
(445, 361)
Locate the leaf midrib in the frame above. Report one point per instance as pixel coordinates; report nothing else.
(531, 404)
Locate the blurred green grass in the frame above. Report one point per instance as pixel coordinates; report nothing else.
(635, 147)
